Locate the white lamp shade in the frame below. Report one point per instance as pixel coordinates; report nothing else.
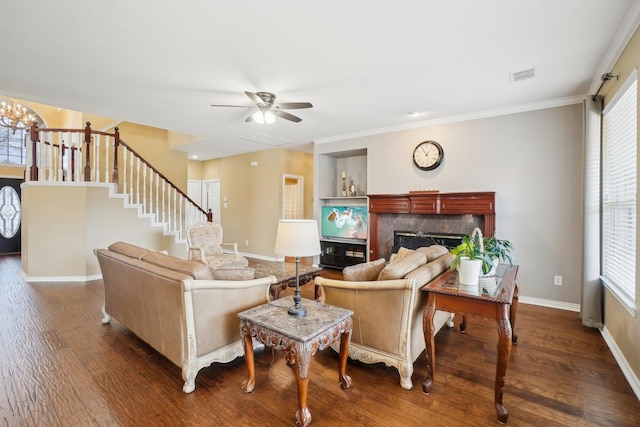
(297, 237)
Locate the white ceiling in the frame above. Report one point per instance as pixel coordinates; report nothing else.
(362, 64)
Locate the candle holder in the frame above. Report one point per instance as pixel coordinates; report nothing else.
(344, 186)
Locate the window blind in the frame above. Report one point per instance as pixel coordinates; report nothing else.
(619, 184)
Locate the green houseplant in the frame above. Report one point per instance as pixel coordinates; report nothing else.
(485, 249)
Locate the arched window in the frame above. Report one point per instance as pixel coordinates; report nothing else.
(13, 141)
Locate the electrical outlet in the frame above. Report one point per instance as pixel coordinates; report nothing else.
(246, 243)
(557, 280)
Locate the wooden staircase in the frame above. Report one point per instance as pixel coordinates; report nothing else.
(91, 156)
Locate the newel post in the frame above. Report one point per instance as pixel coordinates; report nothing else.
(209, 216)
(33, 170)
(116, 144)
(87, 157)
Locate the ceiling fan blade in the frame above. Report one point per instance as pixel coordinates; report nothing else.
(254, 97)
(286, 116)
(235, 106)
(249, 119)
(294, 105)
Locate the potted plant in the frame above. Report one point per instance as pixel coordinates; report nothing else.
(477, 254)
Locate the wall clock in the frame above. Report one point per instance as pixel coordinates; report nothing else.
(428, 155)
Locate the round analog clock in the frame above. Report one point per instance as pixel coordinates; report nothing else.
(428, 155)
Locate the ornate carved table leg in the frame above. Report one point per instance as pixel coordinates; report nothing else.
(302, 354)
(249, 384)
(504, 351)
(344, 379)
(429, 333)
(512, 312)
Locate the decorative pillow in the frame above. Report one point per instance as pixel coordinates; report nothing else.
(129, 250)
(364, 272)
(400, 267)
(402, 252)
(433, 251)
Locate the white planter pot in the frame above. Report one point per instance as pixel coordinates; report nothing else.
(469, 271)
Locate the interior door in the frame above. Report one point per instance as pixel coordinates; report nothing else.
(10, 215)
(211, 199)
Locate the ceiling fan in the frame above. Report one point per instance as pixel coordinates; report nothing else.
(267, 110)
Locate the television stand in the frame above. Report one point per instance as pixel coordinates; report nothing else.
(339, 254)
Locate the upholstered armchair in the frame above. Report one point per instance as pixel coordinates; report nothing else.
(387, 304)
(205, 245)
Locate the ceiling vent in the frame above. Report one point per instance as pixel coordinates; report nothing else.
(519, 76)
(265, 139)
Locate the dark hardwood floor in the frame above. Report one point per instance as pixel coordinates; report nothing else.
(59, 366)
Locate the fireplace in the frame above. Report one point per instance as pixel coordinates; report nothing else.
(418, 239)
(444, 214)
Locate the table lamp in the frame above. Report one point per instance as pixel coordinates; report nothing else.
(297, 238)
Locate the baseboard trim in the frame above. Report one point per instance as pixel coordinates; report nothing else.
(59, 279)
(550, 303)
(628, 373)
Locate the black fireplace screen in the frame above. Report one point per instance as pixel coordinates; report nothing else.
(418, 239)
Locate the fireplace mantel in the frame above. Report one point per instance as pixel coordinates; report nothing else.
(457, 208)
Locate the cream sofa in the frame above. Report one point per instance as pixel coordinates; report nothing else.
(176, 307)
(387, 306)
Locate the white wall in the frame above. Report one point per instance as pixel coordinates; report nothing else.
(532, 160)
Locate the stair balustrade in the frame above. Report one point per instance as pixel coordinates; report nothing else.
(87, 155)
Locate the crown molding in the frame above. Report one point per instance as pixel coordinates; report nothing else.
(552, 103)
(626, 30)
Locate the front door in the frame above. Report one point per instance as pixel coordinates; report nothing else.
(10, 215)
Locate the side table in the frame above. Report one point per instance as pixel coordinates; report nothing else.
(299, 337)
(497, 300)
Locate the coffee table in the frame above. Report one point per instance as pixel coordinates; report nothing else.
(498, 300)
(299, 337)
(285, 273)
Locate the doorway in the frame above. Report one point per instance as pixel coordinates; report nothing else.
(293, 197)
(211, 198)
(10, 216)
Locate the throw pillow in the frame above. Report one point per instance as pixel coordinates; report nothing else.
(433, 251)
(399, 268)
(364, 272)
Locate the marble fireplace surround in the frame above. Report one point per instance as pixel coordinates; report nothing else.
(457, 213)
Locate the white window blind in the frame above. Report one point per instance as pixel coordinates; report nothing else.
(619, 185)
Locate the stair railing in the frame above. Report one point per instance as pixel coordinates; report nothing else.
(87, 155)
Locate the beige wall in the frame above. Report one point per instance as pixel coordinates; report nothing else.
(62, 225)
(153, 145)
(623, 327)
(254, 194)
(7, 171)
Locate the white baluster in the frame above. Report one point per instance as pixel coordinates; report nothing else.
(180, 219)
(95, 172)
(123, 169)
(144, 188)
(150, 209)
(157, 211)
(138, 180)
(169, 190)
(131, 178)
(107, 169)
(164, 207)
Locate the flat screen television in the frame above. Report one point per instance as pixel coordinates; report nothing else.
(344, 222)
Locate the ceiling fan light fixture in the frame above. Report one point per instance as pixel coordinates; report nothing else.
(264, 117)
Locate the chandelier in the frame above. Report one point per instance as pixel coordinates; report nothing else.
(15, 116)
